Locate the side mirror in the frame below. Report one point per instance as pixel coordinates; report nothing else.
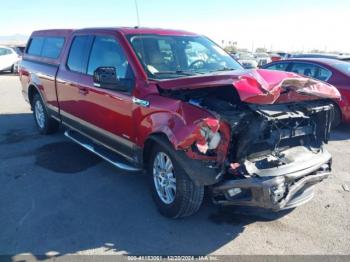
(106, 77)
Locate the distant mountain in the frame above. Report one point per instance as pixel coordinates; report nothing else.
(13, 39)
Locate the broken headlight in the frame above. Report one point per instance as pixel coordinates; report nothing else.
(211, 140)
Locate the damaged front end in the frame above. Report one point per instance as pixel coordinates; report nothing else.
(279, 157)
(267, 154)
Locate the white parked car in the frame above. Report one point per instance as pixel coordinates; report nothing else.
(247, 60)
(262, 58)
(9, 58)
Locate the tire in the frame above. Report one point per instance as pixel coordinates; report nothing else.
(187, 197)
(45, 124)
(12, 70)
(337, 117)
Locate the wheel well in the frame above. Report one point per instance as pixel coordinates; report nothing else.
(31, 92)
(338, 115)
(337, 108)
(150, 142)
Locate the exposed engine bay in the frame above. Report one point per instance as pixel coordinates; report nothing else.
(263, 136)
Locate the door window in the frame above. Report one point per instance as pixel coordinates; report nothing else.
(311, 70)
(305, 69)
(324, 74)
(78, 54)
(4, 51)
(278, 66)
(107, 52)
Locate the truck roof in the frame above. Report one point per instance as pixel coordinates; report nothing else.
(55, 32)
(123, 30)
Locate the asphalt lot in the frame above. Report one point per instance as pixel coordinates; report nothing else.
(56, 199)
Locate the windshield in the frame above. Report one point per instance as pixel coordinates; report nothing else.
(177, 56)
(343, 67)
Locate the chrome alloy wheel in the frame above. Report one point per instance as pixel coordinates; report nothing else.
(164, 178)
(39, 114)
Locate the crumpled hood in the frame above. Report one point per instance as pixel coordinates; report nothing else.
(259, 86)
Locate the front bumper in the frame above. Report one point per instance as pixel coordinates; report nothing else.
(274, 192)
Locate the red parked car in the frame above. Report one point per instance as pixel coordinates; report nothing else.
(332, 71)
(176, 105)
(275, 57)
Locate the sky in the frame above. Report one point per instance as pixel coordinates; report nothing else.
(291, 25)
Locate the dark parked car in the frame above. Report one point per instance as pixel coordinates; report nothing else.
(332, 71)
(176, 105)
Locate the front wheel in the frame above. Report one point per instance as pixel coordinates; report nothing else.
(173, 191)
(44, 122)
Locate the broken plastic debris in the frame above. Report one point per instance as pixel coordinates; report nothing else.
(346, 188)
(234, 166)
(202, 148)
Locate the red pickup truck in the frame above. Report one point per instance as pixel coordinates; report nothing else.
(176, 105)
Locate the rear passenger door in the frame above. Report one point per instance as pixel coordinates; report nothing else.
(69, 77)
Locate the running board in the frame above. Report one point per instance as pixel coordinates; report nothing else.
(100, 151)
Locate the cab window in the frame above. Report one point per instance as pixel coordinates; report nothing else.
(52, 47)
(49, 47)
(35, 46)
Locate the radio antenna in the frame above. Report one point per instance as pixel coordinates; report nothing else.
(137, 13)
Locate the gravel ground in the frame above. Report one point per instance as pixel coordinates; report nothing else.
(58, 199)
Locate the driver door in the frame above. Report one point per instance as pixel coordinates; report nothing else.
(108, 111)
(106, 114)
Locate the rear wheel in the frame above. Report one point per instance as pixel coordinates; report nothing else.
(173, 191)
(44, 122)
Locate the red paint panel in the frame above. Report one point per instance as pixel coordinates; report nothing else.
(257, 86)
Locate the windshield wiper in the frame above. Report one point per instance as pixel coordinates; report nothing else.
(222, 69)
(178, 72)
(226, 69)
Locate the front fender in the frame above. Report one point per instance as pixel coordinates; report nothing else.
(167, 123)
